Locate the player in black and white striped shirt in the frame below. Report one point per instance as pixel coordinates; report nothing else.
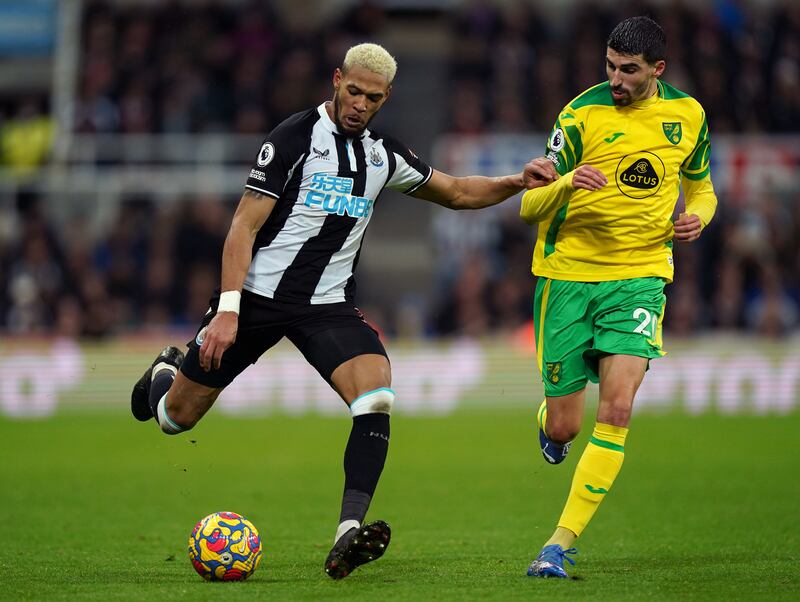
(287, 271)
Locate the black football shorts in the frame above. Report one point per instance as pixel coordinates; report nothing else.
(327, 335)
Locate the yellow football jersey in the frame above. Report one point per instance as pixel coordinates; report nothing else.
(623, 230)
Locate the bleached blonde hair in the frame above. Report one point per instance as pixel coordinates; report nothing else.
(372, 57)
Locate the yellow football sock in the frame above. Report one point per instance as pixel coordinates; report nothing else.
(598, 467)
(563, 537)
(541, 416)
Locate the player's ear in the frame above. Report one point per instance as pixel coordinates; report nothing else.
(659, 68)
(337, 78)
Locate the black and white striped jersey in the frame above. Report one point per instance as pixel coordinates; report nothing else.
(326, 186)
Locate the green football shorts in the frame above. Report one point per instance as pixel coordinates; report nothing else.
(579, 322)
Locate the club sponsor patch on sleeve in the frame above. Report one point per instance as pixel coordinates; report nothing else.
(258, 175)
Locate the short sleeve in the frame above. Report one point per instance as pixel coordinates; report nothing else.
(407, 171)
(279, 155)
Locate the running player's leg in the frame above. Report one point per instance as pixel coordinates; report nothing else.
(364, 384)
(187, 400)
(620, 379)
(177, 391)
(561, 339)
(559, 418)
(627, 335)
(184, 404)
(564, 332)
(349, 355)
(598, 467)
(174, 397)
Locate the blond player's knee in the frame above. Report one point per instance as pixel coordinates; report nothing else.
(184, 413)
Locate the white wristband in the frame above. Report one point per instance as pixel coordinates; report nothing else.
(229, 301)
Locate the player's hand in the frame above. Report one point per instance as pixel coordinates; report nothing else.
(539, 172)
(220, 334)
(588, 178)
(687, 227)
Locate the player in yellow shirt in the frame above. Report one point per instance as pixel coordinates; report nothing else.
(623, 149)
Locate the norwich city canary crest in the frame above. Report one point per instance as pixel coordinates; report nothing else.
(553, 372)
(673, 131)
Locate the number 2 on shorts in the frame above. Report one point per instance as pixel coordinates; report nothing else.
(640, 312)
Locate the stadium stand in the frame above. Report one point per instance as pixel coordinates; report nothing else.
(181, 85)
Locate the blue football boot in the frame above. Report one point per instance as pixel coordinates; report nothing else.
(550, 562)
(553, 452)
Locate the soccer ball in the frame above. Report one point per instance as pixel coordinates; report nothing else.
(224, 546)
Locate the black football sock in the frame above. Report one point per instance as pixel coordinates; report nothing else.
(160, 385)
(364, 458)
(354, 505)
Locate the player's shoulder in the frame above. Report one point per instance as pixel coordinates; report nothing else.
(290, 138)
(384, 138)
(598, 95)
(389, 142)
(299, 122)
(672, 94)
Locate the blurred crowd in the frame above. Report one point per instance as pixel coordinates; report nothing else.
(212, 67)
(238, 67)
(220, 67)
(513, 69)
(155, 268)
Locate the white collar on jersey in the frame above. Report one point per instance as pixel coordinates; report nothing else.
(330, 125)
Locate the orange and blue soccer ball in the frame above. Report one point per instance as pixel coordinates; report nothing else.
(224, 546)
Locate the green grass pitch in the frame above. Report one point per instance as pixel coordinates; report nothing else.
(100, 507)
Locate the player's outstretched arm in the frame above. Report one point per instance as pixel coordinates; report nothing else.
(476, 192)
(253, 210)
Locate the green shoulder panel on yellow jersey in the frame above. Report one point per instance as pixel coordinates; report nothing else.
(565, 145)
(670, 92)
(596, 95)
(697, 165)
(625, 229)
